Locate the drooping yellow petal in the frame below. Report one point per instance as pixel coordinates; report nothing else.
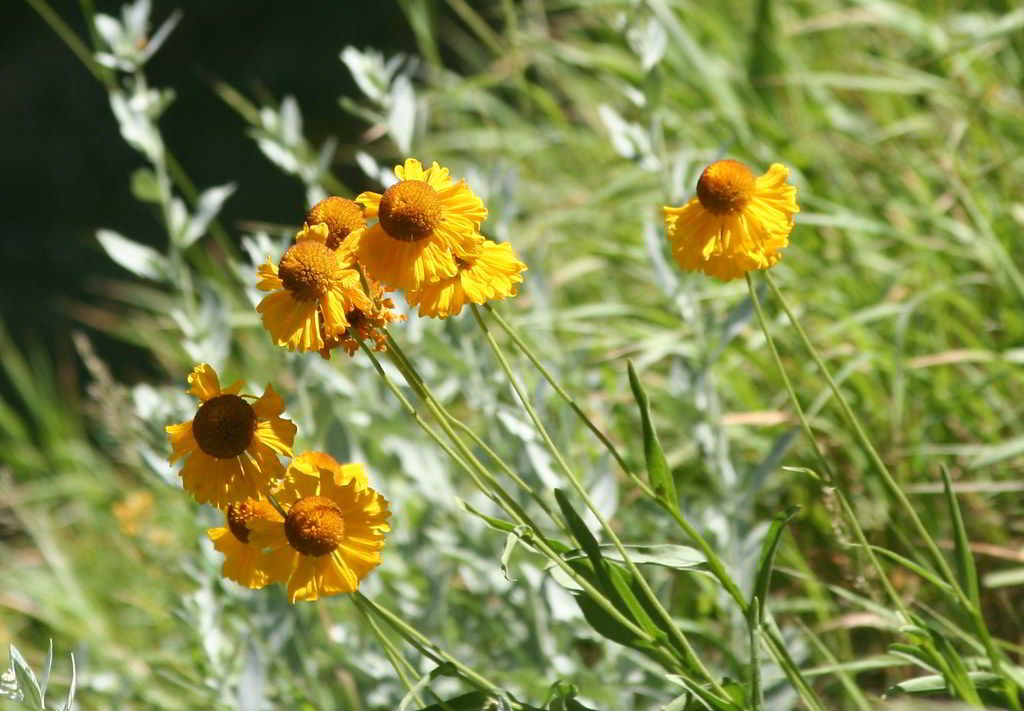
(493, 274)
(292, 323)
(182, 440)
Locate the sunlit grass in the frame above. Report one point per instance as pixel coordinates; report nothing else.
(576, 122)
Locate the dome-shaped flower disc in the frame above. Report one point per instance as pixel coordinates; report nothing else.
(230, 447)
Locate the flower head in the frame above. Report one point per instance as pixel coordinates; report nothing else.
(424, 222)
(491, 274)
(313, 286)
(243, 560)
(332, 534)
(365, 325)
(341, 216)
(736, 223)
(230, 447)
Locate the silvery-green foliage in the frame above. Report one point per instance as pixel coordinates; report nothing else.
(21, 685)
(389, 88)
(279, 135)
(128, 43)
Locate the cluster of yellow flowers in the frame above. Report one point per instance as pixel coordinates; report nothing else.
(329, 288)
(316, 525)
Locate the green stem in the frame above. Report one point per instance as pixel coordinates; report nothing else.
(421, 642)
(673, 629)
(408, 371)
(826, 468)
(995, 657)
(400, 664)
(717, 568)
(528, 352)
(501, 497)
(80, 50)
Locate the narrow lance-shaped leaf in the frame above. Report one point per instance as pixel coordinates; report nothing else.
(964, 559)
(613, 582)
(657, 466)
(767, 559)
(26, 678)
(69, 702)
(445, 669)
(510, 544)
(47, 666)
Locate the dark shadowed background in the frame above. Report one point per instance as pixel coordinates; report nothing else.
(64, 170)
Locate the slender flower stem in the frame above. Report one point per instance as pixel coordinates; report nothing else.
(995, 656)
(509, 505)
(528, 352)
(422, 642)
(826, 468)
(400, 663)
(673, 629)
(773, 641)
(409, 371)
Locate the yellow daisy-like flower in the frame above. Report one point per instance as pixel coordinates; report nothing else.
(312, 285)
(424, 222)
(737, 222)
(492, 274)
(332, 534)
(230, 447)
(243, 561)
(342, 217)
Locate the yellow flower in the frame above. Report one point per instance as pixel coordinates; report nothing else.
(365, 325)
(243, 561)
(737, 222)
(332, 535)
(312, 285)
(425, 221)
(230, 447)
(492, 274)
(341, 215)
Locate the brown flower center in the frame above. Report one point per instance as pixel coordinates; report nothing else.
(238, 515)
(725, 186)
(309, 269)
(224, 426)
(410, 210)
(341, 216)
(314, 525)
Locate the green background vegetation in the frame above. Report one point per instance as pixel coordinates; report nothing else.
(902, 124)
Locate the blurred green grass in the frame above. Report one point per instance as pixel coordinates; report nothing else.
(577, 120)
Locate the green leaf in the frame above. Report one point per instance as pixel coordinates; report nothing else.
(508, 527)
(26, 678)
(767, 561)
(47, 666)
(473, 701)
(964, 559)
(145, 186)
(69, 702)
(518, 534)
(445, 669)
(705, 697)
(668, 555)
(562, 697)
(657, 466)
(609, 578)
(916, 568)
(936, 683)
(579, 529)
